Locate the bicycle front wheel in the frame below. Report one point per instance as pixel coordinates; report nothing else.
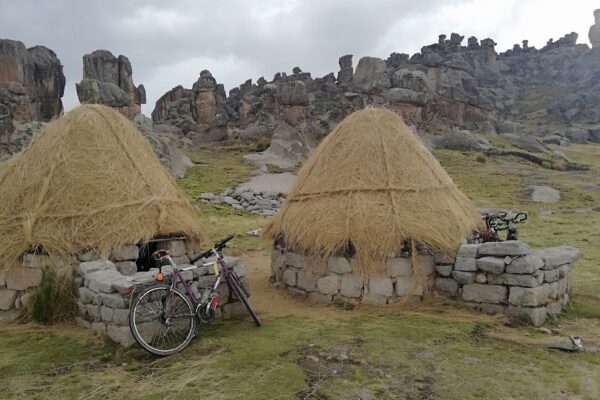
(240, 294)
(162, 320)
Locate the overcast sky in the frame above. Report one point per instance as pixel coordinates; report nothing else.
(170, 42)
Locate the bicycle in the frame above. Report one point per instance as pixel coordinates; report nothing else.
(163, 318)
(496, 222)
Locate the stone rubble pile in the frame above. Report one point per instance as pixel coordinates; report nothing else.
(262, 203)
(509, 277)
(338, 279)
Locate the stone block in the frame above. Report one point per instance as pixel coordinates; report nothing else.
(524, 280)
(206, 281)
(479, 293)
(465, 264)
(444, 259)
(424, 265)
(329, 284)
(399, 266)
(530, 297)
(112, 300)
(562, 287)
(31, 260)
(294, 260)
(7, 299)
(125, 253)
(405, 286)
(127, 268)
(554, 308)
(290, 277)
(463, 277)
(381, 286)
(507, 248)
(532, 315)
(86, 296)
(339, 265)
(89, 255)
(468, 250)
(277, 260)
(178, 247)
(121, 316)
(306, 280)
(21, 278)
(551, 275)
(351, 286)
(444, 269)
(447, 285)
(563, 270)
(120, 334)
(491, 309)
(557, 256)
(297, 293)
(318, 298)
(102, 281)
(106, 313)
(88, 267)
(122, 283)
(494, 265)
(92, 311)
(526, 264)
(24, 300)
(372, 298)
(83, 323)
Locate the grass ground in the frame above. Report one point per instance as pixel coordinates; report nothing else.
(429, 352)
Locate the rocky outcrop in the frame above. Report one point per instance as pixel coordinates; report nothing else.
(108, 80)
(32, 84)
(594, 33)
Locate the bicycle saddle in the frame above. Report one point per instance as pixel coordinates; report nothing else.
(160, 254)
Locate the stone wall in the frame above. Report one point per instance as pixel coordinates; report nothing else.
(509, 277)
(102, 285)
(338, 279)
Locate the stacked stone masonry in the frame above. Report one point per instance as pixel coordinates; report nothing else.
(102, 285)
(509, 277)
(339, 279)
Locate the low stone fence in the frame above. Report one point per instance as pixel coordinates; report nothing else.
(338, 279)
(103, 305)
(262, 203)
(509, 277)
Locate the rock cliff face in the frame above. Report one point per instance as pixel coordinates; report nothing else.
(32, 84)
(108, 80)
(447, 86)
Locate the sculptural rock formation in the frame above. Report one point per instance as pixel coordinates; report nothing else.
(594, 33)
(32, 84)
(108, 80)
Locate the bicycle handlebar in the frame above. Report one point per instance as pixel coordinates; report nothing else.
(217, 247)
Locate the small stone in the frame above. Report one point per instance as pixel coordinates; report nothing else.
(551, 275)
(468, 250)
(289, 277)
(126, 268)
(480, 278)
(534, 316)
(351, 286)
(479, 293)
(106, 313)
(86, 296)
(112, 300)
(463, 277)
(465, 264)
(447, 285)
(444, 270)
(494, 265)
(526, 264)
(554, 308)
(339, 265)
(329, 284)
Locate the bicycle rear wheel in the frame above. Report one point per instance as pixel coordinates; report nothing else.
(240, 293)
(162, 320)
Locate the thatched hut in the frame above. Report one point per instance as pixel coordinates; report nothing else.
(368, 212)
(89, 186)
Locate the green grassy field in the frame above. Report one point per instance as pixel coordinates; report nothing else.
(435, 351)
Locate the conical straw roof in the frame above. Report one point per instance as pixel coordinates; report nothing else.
(90, 179)
(373, 184)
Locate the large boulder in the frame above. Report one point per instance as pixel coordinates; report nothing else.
(108, 80)
(32, 84)
(371, 75)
